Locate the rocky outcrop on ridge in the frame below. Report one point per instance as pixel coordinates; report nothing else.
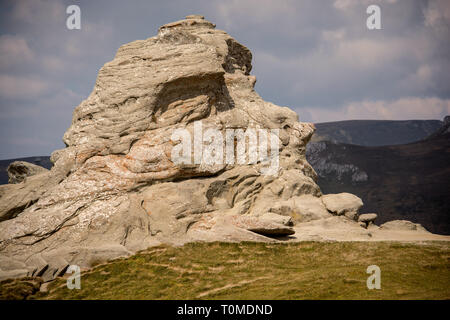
(404, 182)
(116, 188)
(443, 131)
(18, 171)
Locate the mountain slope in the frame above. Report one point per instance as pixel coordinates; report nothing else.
(375, 132)
(40, 161)
(408, 181)
(307, 270)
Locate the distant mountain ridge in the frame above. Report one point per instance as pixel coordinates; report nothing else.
(375, 132)
(443, 130)
(43, 161)
(408, 181)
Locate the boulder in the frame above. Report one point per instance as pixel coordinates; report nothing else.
(148, 161)
(402, 225)
(343, 204)
(15, 198)
(266, 226)
(18, 171)
(366, 219)
(301, 209)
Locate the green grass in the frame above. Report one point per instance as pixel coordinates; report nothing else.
(309, 270)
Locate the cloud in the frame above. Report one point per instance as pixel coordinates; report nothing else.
(262, 11)
(37, 11)
(19, 87)
(437, 14)
(411, 108)
(14, 50)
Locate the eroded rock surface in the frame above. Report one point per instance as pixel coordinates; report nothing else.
(115, 188)
(402, 225)
(343, 204)
(18, 171)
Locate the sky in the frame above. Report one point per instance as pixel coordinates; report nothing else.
(316, 57)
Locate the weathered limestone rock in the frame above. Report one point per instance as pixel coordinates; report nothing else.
(266, 225)
(343, 204)
(18, 171)
(116, 188)
(367, 219)
(15, 198)
(403, 225)
(303, 208)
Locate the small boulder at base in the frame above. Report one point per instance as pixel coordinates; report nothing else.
(403, 225)
(343, 204)
(367, 218)
(263, 226)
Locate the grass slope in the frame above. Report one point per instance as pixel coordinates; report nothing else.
(310, 270)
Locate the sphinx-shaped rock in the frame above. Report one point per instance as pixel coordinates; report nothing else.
(116, 188)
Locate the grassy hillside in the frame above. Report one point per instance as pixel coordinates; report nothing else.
(308, 270)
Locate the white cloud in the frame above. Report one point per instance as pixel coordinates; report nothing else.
(256, 11)
(38, 11)
(53, 63)
(437, 14)
(89, 41)
(346, 4)
(333, 35)
(401, 109)
(22, 87)
(14, 50)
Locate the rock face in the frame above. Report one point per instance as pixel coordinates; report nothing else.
(4, 164)
(343, 204)
(402, 225)
(18, 171)
(367, 217)
(116, 187)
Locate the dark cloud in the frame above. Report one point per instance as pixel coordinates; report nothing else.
(316, 57)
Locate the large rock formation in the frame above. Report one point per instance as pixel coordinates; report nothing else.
(18, 171)
(116, 188)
